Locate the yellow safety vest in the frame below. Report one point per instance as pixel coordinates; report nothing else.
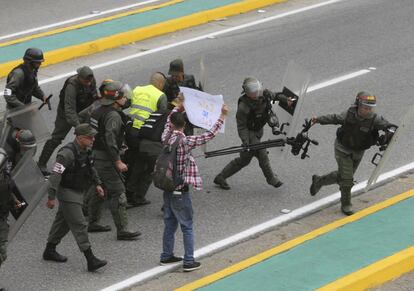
(144, 102)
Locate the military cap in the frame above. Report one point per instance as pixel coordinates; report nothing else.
(85, 72)
(85, 129)
(176, 66)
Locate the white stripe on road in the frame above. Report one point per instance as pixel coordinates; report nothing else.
(255, 230)
(191, 40)
(337, 80)
(157, 271)
(99, 13)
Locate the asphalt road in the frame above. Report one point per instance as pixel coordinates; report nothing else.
(329, 42)
(21, 15)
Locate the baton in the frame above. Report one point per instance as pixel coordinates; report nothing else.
(47, 101)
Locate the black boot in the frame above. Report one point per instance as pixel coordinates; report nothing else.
(221, 181)
(93, 262)
(50, 254)
(128, 235)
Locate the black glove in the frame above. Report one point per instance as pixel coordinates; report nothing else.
(268, 94)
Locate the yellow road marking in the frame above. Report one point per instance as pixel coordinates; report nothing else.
(295, 242)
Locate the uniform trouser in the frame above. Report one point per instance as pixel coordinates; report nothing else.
(4, 232)
(62, 128)
(245, 157)
(115, 193)
(344, 176)
(140, 178)
(70, 217)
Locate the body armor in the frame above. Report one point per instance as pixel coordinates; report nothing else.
(357, 134)
(259, 112)
(84, 97)
(25, 90)
(78, 175)
(97, 121)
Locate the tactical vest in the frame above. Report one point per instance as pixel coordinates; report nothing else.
(153, 127)
(97, 121)
(78, 175)
(258, 114)
(144, 102)
(357, 134)
(25, 90)
(84, 96)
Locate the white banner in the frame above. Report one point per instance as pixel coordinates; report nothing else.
(202, 109)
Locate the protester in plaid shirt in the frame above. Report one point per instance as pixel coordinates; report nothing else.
(177, 206)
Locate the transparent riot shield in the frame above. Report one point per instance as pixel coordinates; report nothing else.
(203, 76)
(29, 186)
(29, 117)
(202, 86)
(294, 85)
(406, 122)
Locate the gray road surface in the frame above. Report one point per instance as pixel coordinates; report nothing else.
(20, 15)
(329, 42)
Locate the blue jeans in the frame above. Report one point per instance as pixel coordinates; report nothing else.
(178, 209)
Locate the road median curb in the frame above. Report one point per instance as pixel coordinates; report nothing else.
(134, 35)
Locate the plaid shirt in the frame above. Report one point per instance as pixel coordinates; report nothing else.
(186, 165)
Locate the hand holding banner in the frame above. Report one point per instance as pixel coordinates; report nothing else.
(202, 109)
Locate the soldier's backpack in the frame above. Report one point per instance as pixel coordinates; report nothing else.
(165, 175)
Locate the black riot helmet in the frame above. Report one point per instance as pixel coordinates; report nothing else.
(252, 87)
(33, 55)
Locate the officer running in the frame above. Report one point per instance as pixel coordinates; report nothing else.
(358, 132)
(109, 121)
(147, 102)
(253, 112)
(78, 92)
(73, 174)
(22, 80)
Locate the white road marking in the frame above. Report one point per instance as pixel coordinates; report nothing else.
(257, 229)
(337, 80)
(96, 14)
(191, 40)
(295, 214)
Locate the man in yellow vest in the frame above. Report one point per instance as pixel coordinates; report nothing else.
(146, 101)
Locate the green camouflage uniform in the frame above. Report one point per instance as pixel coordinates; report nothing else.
(75, 97)
(350, 146)
(70, 194)
(248, 110)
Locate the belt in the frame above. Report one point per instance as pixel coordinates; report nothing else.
(181, 191)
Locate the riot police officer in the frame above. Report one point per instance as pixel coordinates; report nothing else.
(22, 81)
(78, 92)
(17, 143)
(358, 132)
(109, 121)
(178, 78)
(73, 174)
(253, 112)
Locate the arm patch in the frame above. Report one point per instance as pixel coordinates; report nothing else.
(58, 168)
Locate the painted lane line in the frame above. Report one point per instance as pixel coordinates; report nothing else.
(260, 228)
(234, 239)
(192, 40)
(337, 80)
(36, 29)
